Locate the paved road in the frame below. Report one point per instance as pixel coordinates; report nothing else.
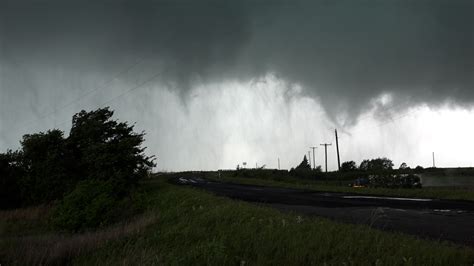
(427, 218)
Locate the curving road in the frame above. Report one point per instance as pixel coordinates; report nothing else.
(428, 218)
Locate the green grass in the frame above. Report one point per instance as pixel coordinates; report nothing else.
(193, 227)
(455, 193)
(197, 228)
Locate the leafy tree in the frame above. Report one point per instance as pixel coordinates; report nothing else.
(348, 166)
(304, 164)
(109, 156)
(419, 169)
(382, 164)
(379, 164)
(48, 166)
(364, 165)
(45, 161)
(106, 149)
(404, 166)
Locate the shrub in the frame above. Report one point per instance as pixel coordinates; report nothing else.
(92, 203)
(395, 181)
(9, 187)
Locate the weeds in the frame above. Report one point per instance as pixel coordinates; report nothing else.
(186, 226)
(197, 228)
(53, 249)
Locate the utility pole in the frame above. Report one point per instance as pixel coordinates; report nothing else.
(434, 165)
(337, 148)
(314, 159)
(326, 153)
(309, 158)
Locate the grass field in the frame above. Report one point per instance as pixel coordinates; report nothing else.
(186, 226)
(455, 193)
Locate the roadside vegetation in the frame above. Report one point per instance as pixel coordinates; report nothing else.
(186, 226)
(259, 177)
(87, 180)
(332, 182)
(57, 192)
(382, 178)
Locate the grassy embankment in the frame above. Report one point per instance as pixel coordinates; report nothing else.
(454, 193)
(186, 226)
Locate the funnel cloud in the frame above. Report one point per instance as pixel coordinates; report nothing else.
(346, 58)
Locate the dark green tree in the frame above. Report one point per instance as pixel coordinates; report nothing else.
(348, 166)
(419, 168)
(364, 165)
(45, 160)
(304, 164)
(404, 166)
(105, 149)
(379, 164)
(49, 166)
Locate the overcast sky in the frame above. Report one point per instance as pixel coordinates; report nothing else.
(217, 83)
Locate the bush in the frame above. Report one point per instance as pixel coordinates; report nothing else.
(348, 166)
(91, 204)
(9, 188)
(395, 181)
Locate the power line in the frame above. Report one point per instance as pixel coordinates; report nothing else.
(134, 88)
(101, 87)
(128, 91)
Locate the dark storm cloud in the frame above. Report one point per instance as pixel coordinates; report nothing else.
(345, 52)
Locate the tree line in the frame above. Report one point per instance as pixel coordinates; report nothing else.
(98, 164)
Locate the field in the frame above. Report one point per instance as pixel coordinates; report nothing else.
(341, 185)
(186, 226)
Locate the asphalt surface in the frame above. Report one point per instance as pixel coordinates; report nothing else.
(427, 218)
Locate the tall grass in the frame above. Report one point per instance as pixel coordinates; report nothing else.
(197, 228)
(186, 226)
(31, 220)
(55, 248)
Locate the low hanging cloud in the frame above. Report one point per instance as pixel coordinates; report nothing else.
(344, 55)
(346, 52)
